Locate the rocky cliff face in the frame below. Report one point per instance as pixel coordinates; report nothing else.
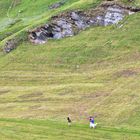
(70, 23)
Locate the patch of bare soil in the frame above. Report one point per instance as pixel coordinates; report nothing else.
(65, 92)
(31, 95)
(136, 56)
(2, 92)
(126, 73)
(34, 107)
(96, 95)
(36, 100)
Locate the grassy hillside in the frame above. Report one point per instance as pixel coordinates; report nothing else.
(96, 72)
(18, 16)
(54, 130)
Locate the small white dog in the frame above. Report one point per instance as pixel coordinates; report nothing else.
(93, 125)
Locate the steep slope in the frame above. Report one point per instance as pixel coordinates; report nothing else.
(17, 15)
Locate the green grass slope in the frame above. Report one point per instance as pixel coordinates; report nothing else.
(96, 72)
(53, 130)
(18, 16)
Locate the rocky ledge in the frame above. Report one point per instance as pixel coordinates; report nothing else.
(70, 23)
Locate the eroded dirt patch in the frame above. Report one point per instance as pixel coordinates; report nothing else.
(126, 73)
(2, 92)
(95, 95)
(34, 107)
(31, 95)
(36, 100)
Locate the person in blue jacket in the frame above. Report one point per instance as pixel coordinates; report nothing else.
(92, 122)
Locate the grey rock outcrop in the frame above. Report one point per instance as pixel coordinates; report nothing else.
(57, 4)
(70, 23)
(10, 45)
